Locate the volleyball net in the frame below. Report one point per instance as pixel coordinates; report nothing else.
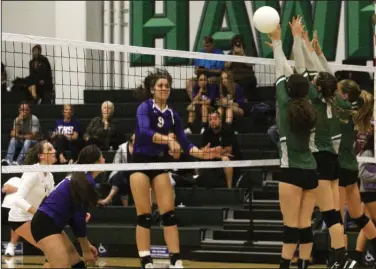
(86, 74)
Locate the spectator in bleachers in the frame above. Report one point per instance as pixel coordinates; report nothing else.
(24, 135)
(211, 68)
(101, 131)
(231, 100)
(3, 78)
(65, 136)
(225, 141)
(204, 95)
(120, 179)
(243, 72)
(39, 81)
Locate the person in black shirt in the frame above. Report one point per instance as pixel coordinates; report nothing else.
(225, 140)
(39, 81)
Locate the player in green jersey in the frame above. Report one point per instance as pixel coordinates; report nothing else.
(296, 119)
(321, 94)
(357, 108)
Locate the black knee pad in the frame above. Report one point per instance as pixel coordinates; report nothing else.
(169, 218)
(340, 216)
(144, 221)
(80, 264)
(305, 235)
(290, 235)
(361, 221)
(331, 218)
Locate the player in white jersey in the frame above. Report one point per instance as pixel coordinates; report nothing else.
(10, 188)
(34, 187)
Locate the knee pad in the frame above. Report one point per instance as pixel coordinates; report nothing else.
(80, 264)
(290, 235)
(331, 218)
(144, 221)
(340, 217)
(305, 235)
(361, 221)
(169, 218)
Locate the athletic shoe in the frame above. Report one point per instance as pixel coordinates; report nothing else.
(350, 263)
(149, 265)
(5, 162)
(202, 130)
(178, 264)
(188, 131)
(9, 251)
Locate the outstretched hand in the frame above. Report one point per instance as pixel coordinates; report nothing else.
(296, 26)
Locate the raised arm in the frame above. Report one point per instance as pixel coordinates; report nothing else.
(278, 53)
(307, 50)
(320, 54)
(297, 31)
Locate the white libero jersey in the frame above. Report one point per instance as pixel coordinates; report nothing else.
(35, 186)
(11, 197)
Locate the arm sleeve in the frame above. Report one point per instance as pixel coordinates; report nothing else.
(317, 63)
(78, 223)
(27, 183)
(181, 136)
(310, 65)
(364, 174)
(143, 122)
(299, 56)
(35, 124)
(279, 58)
(324, 63)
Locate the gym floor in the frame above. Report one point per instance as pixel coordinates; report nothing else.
(36, 262)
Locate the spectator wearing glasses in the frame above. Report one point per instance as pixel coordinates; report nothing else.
(211, 68)
(243, 72)
(204, 95)
(24, 135)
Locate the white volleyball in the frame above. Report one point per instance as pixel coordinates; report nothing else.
(266, 19)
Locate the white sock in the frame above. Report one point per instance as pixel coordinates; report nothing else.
(144, 253)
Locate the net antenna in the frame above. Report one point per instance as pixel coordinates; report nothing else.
(79, 65)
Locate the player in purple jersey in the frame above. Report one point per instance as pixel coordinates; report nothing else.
(68, 204)
(159, 138)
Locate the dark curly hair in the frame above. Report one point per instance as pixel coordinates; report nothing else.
(144, 91)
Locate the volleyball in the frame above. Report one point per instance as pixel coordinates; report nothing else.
(266, 19)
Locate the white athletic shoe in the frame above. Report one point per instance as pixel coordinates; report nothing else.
(178, 264)
(10, 262)
(149, 265)
(9, 251)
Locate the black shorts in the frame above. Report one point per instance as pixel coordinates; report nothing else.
(327, 165)
(43, 226)
(16, 224)
(368, 197)
(4, 215)
(141, 158)
(306, 179)
(347, 177)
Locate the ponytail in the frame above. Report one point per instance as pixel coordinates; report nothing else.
(362, 117)
(302, 116)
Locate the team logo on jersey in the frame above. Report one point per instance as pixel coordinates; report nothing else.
(160, 123)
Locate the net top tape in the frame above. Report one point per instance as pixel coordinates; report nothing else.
(147, 166)
(160, 52)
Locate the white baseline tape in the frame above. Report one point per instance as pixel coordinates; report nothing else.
(147, 166)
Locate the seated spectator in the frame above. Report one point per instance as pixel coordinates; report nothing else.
(243, 72)
(39, 81)
(101, 131)
(65, 136)
(225, 140)
(120, 179)
(3, 78)
(211, 68)
(231, 100)
(24, 135)
(204, 96)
